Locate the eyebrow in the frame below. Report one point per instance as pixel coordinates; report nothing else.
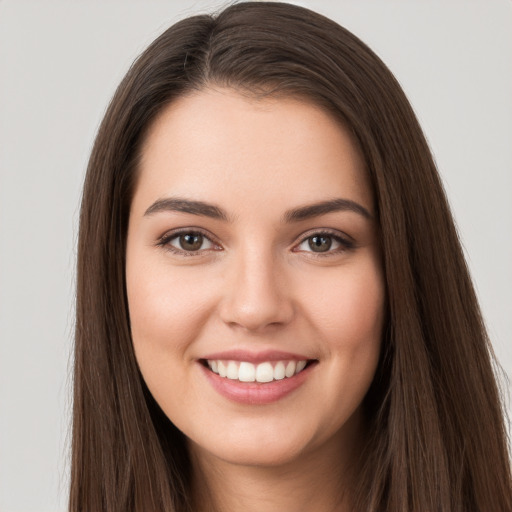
(323, 207)
(177, 204)
(201, 208)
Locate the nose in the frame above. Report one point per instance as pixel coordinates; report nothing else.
(256, 296)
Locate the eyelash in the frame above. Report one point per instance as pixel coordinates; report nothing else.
(165, 241)
(345, 243)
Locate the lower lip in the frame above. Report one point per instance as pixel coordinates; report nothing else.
(256, 393)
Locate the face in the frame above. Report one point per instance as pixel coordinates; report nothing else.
(253, 275)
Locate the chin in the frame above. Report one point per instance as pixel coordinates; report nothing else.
(266, 444)
(271, 453)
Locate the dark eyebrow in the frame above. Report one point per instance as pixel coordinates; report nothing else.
(323, 207)
(177, 204)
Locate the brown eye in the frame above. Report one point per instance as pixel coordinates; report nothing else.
(324, 244)
(191, 241)
(188, 243)
(320, 243)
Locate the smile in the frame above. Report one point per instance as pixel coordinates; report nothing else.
(267, 371)
(256, 379)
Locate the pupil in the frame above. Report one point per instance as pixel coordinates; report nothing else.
(191, 242)
(320, 243)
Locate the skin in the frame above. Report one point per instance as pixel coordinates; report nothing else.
(257, 286)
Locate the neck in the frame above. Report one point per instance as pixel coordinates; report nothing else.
(319, 480)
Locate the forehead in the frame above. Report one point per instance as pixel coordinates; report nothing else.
(215, 144)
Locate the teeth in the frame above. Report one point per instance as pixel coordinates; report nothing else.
(232, 371)
(246, 372)
(290, 369)
(300, 366)
(279, 371)
(263, 372)
(222, 369)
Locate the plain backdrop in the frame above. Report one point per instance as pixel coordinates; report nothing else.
(59, 65)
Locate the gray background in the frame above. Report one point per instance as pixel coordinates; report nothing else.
(59, 65)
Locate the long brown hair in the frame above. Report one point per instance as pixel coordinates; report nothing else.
(437, 440)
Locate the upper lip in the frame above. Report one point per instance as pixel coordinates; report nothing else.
(255, 357)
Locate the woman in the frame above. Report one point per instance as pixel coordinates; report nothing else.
(273, 307)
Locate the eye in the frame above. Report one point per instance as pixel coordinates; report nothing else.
(187, 242)
(320, 243)
(325, 243)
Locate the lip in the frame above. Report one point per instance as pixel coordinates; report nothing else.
(256, 357)
(255, 393)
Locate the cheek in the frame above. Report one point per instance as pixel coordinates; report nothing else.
(162, 300)
(349, 308)
(167, 312)
(348, 318)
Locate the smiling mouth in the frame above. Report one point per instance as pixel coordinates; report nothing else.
(264, 372)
